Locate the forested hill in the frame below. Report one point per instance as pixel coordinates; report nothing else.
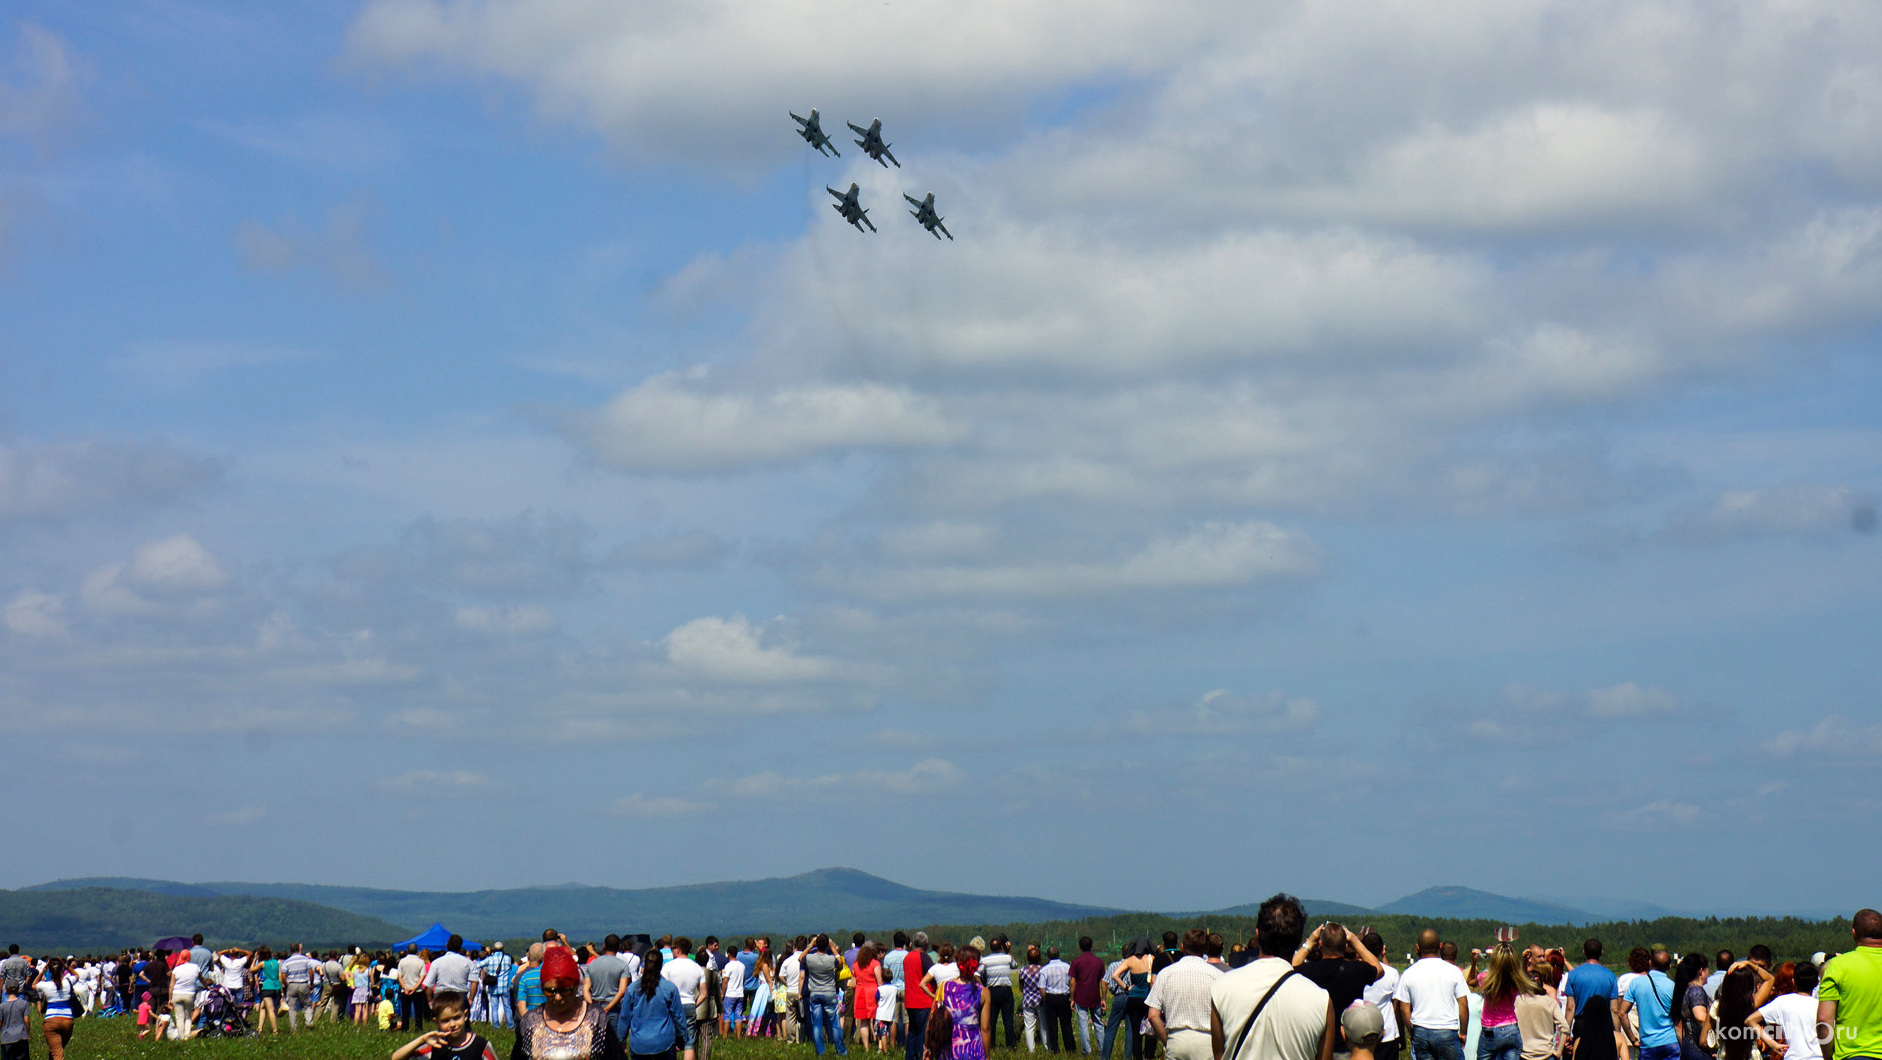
(811, 901)
(100, 919)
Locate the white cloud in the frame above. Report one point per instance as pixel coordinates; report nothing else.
(1028, 295)
(1224, 713)
(732, 650)
(175, 565)
(59, 480)
(924, 777)
(937, 540)
(179, 363)
(1626, 700)
(521, 620)
(675, 424)
(656, 806)
(529, 554)
(692, 550)
(713, 81)
(1629, 700)
(1835, 735)
(174, 571)
(437, 782)
(340, 249)
(1546, 163)
(1527, 716)
(1801, 509)
(35, 614)
(39, 97)
(340, 142)
(1659, 815)
(1213, 555)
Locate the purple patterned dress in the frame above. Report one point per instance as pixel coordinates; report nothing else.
(963, 1004)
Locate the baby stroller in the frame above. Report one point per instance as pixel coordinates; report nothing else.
(221, 1016)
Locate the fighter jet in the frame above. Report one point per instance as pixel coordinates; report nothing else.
(852, 210)
(872, 144)
(924, 213)
(812, 132)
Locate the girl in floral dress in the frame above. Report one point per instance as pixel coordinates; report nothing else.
(969, 1008)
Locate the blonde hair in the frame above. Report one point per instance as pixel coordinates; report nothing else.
(1505, 976)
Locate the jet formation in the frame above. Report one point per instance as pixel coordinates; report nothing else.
(848, 204)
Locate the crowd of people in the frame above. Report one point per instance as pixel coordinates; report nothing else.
(1289, 993)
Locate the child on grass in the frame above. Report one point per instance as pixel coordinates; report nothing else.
(888, 996)
(454, 1039)
(143, 1015)
(735, 1000)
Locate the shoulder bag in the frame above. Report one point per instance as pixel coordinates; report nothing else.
(1241, 1037)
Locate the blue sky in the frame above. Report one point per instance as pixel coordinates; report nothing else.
(1355, 447)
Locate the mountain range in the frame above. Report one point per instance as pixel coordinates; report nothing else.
(97, 912)
(94, 919)
(825, 898)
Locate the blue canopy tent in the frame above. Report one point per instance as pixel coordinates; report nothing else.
(432, 938)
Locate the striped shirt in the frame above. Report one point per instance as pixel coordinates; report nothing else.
(529, 989)
(298, 969)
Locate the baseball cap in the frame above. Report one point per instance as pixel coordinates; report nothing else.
(1363, 1025)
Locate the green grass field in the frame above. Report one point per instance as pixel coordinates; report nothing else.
(116, 1037)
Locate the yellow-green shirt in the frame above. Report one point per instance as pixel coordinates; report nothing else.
(1854, 981)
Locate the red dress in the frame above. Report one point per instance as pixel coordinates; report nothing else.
(867, 980)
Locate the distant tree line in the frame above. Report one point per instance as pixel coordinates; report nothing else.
(1790, 938)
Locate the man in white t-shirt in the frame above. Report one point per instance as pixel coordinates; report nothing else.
(1297, 1022)
(1379, 995)
(1433, 1001)
(1795, 1016)
(232, 970)
(686, 976)
(792, 974)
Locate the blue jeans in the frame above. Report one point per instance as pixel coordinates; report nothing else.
(1087, 1021)
(1118, 1007)
(1500, 1043)
(1427, 1044)
(1660, 1052)
(827, 1007)
(917, 1033)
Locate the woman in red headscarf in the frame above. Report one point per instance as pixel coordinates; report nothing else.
(969, 1012)
(565, 1027)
